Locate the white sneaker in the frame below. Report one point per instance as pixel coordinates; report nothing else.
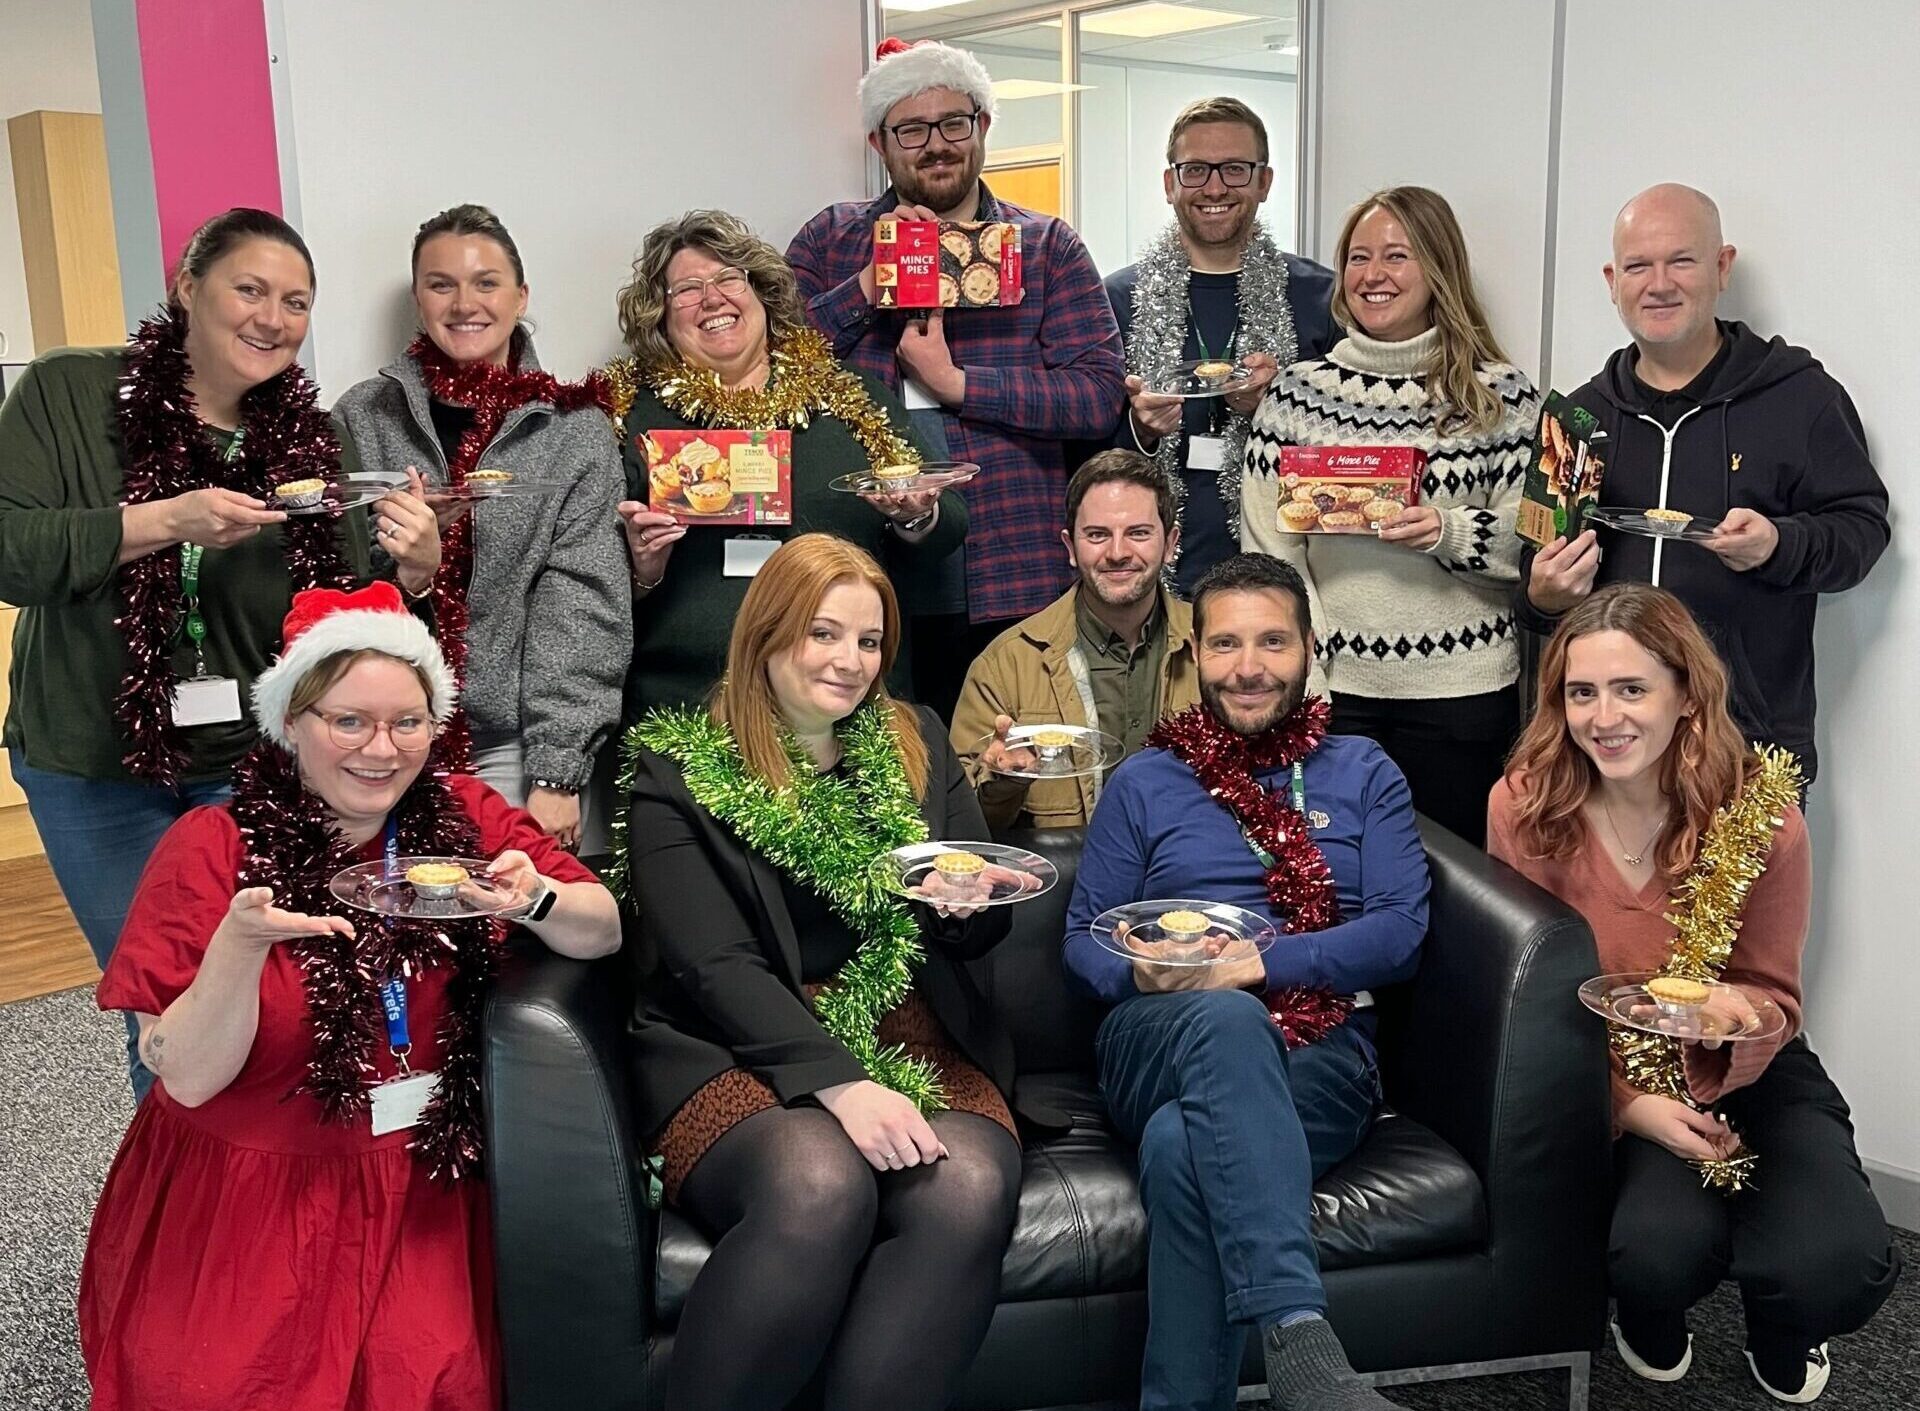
(1641, 1368)
(1818, 1370)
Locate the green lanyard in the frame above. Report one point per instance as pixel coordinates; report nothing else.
(1266, 859)
(195, 625)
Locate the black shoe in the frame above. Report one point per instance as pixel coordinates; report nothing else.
(1792, 1376)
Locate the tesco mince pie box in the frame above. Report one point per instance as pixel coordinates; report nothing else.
(1347, 489)
(945, 264)
(715, 476)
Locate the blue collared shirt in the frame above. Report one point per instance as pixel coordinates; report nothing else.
(1157, 833)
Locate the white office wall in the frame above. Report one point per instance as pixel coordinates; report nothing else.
(1800, 123)
(46, 61)
(1454, 97)
(582, 122)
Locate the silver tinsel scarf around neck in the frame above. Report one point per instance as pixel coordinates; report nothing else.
(1157, 342)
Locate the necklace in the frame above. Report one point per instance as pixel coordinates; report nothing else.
(1632, 859)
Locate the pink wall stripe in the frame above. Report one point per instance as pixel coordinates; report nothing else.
(209, 112)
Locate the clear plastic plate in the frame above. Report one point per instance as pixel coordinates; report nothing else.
(1636, 522)
(1624, 999)
(1056, 751)
(1138, 931)
(1189, 381)
(1006, 874)
(339, 497)
(373, 886)
(516, 488)
(932, 475)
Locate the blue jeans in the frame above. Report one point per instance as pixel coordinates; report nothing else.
(1232, 1130)
(98, 834)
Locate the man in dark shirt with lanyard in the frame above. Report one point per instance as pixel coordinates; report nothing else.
(1214, 286)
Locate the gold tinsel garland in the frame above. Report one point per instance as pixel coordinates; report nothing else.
(1706, 920)
(804, 380)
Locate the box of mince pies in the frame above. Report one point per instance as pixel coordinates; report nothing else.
(715, 476)
(945, 264)
(1347, 489)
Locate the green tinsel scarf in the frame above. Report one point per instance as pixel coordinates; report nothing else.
(826, 832)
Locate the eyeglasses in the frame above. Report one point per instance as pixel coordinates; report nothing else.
(351, 731)
(913, 135)
(690, 292)
(1231, 173)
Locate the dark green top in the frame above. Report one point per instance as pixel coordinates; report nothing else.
(1125, 679)
(60, 486)
(680, 629)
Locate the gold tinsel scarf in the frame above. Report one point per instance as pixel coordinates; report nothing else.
(803, 381)
(1705, 914)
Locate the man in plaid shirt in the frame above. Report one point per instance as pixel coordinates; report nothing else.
(1005, 388)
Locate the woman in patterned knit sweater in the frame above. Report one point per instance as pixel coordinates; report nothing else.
(1414, 625)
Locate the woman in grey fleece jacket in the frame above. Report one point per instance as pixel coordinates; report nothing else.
(550, 631)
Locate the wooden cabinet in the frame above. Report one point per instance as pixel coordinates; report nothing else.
(66, 229)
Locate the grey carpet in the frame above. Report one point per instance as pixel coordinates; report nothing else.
(64, 1103)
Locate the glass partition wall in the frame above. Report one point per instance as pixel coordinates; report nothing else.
(1087, 89)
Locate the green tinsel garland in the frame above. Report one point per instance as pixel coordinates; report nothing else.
(827, 832)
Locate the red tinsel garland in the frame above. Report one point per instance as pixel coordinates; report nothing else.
(293, 847)
(166, 453)
(1299, 883)
(489, 391)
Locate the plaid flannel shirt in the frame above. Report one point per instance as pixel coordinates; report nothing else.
(1039, 375)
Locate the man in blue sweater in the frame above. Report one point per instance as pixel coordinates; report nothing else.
(1244, 1081)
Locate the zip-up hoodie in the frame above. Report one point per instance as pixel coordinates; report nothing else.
(1773, 433)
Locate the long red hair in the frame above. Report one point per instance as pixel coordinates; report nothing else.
(773, 618)
(1706, 764)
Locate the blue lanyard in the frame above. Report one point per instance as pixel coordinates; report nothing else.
(393, 993)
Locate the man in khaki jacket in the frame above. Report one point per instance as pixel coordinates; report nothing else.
(1115, 652)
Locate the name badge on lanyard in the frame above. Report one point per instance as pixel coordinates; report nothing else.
(202, 699)
(399, 1103)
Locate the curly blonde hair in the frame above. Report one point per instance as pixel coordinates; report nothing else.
(643, 299)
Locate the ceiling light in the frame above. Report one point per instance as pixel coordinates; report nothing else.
(1009, 90)
(1155, 20)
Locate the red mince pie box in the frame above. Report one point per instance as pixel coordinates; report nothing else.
(715, 476)
(1347, 489)
(945, 264)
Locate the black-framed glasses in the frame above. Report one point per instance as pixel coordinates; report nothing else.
(690, 292)
(1200, 173)
(955, 128)
(351, 730)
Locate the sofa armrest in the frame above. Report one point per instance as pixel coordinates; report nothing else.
(1494, 1052)
(573, 1236)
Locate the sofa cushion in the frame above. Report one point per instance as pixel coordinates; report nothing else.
(1081, 1230)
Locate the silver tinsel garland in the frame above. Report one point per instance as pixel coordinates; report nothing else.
(1157, 342)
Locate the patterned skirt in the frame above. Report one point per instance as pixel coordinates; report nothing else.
(735, 1095)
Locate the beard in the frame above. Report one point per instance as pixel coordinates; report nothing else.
(1286, 700)
(943, 188)
(1091, 580)
(1236, 234)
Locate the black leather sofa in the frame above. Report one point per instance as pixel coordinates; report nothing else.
(1466, 1236)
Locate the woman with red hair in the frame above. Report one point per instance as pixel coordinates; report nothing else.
(1629, 796)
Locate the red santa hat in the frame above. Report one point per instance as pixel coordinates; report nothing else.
(907, 69)
(324, 622)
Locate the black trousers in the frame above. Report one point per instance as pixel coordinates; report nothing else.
(1451, 750)
(1807, 1243)
(944, 646)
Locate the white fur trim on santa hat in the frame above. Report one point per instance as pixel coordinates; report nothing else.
(397, 634)
(924, 66)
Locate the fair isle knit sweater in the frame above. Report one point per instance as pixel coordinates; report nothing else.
(1394, 622)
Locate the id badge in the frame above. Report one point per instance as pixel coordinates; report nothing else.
(1206, 452)
(206, 700)
(915, 395)
(743, 557)
(397, 1104)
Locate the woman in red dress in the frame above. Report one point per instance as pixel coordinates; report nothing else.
(295, 1218)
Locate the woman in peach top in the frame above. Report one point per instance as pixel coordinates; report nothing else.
(1630, 752)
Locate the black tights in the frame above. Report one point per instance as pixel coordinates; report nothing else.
(888, 1279)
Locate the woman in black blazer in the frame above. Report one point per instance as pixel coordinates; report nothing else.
(823, 1082)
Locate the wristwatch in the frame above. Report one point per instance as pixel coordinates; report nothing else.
(917, 523)
(543, 900)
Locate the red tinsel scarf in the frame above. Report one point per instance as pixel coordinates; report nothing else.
(490, 392)
(292, 846)
(166, 452)
(1299, 883)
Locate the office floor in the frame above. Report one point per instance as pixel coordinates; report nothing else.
(41, 950)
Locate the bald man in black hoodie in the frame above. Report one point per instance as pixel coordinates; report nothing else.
(1748, 435)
